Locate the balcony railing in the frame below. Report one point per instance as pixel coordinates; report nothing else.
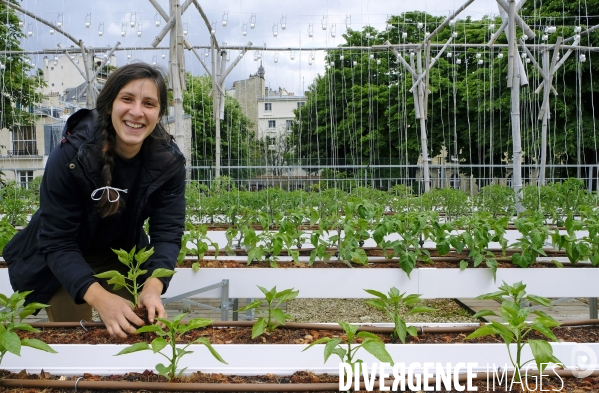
(22, 152)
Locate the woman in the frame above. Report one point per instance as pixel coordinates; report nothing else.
(115, 167)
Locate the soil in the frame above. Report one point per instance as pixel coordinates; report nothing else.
(282, 335)
(238, 335)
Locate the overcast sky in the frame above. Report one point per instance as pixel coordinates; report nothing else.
(300, 17)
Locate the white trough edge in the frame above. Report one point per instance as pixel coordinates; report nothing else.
(259, 359)
(350, 283)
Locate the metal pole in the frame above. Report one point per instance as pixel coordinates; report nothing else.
(422, 90)
(176, 84)
(515, 96)
(216, 108)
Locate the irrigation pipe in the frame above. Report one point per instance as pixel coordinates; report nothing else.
(81, 383)
(319, 326)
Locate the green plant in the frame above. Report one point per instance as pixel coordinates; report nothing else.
(534, 233)
(168, 336)
(7, 231)
(133, 261)
(12, 314)
(515, 328)
(479, 230)
(271, 316)
(346, 347)
(391, 305)
(576, 249)
(591, 222)
(197, 235)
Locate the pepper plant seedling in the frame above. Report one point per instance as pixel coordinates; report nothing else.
(197, 235)
(175, 329)
(12, 314)
(133, 261)
(271, 316)
(347, 349)
(391, 304)
(515, 328)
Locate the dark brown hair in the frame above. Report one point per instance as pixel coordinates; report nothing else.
(107, 135)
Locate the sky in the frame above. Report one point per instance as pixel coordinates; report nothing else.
(300, 18)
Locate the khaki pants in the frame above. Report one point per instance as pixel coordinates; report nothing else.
(64, 309)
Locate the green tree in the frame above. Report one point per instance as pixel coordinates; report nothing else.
(19, 85)
(237, 142)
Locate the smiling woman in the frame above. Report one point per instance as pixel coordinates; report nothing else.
(115, 167)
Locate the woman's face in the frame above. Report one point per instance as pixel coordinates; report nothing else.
(135, 113)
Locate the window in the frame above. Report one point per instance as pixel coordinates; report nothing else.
(51, 68)
(25, 177)
(272, 124)
(268, 106)
(23, 141)
(288, 125)
(300, 104)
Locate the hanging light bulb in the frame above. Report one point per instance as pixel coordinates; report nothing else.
(132, 20)
(341, 57)
(550, 29)
(185, 29)
(72, 57)
(426, 34)
(252, 21)
(154, 60)
(292, 55)
(492, 26)
(225, 19)
(206, 53)
(255, 56)
(212, 29)
(371, 56)
(276, 57)
(367, 36)
(275, 30)
(420, 25)
(333, 30)
(452, 22)
(123, 29)
(524, 37)
(30, 30)
(480, 61)
(88, 21)
(527, 60)
(454, 34)
(500, 55)
(523, 54)
(129, 55)
(228, 57)
(577, 29)
(404, 35)
(324, 22)
(164, 55)
(2, 66)
(52, 32)
(310, 61)
(20, 25)
(284, 22)
(101, 29)
(139, 29)
(59, 20)
(157, 20)
(458, 61)
(311, 30)
(244, 29)
(378, 61)
(449, 54)
(544, 37)
(582, 58)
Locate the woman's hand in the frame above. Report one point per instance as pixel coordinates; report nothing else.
(115, 311)
(150, 299)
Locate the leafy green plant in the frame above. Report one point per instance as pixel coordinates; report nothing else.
(197, 235)
(133, 261)
(479, 230)
(391, 305)
(172, 332)
(497, 200)
(591, 223)
(15, 203)
(270, 315)
(7, 231)
(414, 228)
(346, 346)
(576, 249)
(12, 314)
(534, 233)
(515, 327)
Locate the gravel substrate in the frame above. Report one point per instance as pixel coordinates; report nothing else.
(356, 311)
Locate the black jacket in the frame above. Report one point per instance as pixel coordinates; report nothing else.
(48, 252)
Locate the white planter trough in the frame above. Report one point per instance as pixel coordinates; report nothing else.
(260, 359)
(350, 283)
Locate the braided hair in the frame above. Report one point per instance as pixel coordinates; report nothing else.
(107, 134)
